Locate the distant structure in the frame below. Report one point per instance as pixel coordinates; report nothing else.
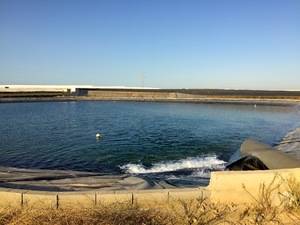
(55, 91)
(59, 88)
(115, 93)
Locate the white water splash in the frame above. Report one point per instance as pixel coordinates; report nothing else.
(210, 162)
(202, 173)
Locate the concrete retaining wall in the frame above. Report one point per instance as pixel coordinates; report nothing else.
(235, 186)
(130, 94)
(90, 199)
(165, 94)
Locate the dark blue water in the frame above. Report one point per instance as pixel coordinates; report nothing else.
(138, 137)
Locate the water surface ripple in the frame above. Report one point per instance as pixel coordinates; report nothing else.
(138, 137)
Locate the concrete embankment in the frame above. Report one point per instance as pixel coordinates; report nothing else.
(206, 100)
(192, 95)
(163, 95)
(241, 186)
(224, 187)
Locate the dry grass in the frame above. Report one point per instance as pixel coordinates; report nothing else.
(291, 198)
(200, 211)
(115, 214)
(266, 209)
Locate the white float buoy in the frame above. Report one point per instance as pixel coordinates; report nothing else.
(98, 135)
(254, 105)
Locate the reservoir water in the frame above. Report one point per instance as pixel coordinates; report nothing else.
(176, 142)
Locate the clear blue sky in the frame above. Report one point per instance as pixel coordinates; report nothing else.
(176, 44)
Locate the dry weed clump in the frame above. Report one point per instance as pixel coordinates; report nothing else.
(36, 216)
(8, 214)
(200, 211)
(271, 206)
(291, 197)
(131, 214)
(264, 210)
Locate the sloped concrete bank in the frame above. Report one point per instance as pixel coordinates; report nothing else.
(224, 187)
(68, 181)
